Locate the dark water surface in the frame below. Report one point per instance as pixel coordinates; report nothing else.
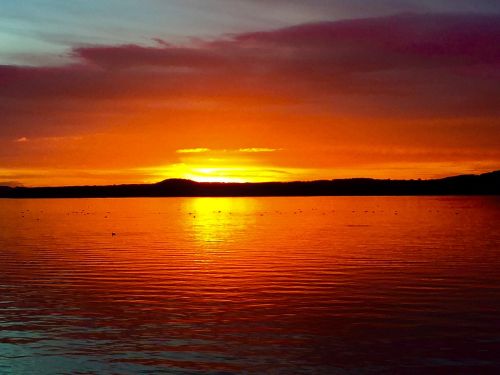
(336, 285)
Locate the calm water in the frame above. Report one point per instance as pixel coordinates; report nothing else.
(337, 285)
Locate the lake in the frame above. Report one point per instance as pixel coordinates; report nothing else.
(327, 285)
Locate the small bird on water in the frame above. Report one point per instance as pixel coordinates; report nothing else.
(113, 233)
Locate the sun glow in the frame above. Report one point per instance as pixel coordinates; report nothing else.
(231, 173)
(221, 165)
(214, 179)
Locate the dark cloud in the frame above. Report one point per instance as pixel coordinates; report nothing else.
(288, 12)
(379, 7)
(405, 65)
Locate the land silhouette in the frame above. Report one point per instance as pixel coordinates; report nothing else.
(483, 184)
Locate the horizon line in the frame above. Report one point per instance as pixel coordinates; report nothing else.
(246, 182)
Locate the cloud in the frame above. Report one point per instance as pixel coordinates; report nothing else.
(334, 8)
(244, 150)
(21, 140)
(371, 80)
(407, 55)
(192, 150)
(258, 149)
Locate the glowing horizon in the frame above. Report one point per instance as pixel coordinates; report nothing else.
(318, 91)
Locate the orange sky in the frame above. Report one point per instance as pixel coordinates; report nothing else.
(405, 96)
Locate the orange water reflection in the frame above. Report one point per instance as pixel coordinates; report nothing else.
(250, 284)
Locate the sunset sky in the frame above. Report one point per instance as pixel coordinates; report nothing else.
(132, 91)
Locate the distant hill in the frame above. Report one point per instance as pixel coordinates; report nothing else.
(484, 184)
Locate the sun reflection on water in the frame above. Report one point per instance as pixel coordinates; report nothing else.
(217, 222)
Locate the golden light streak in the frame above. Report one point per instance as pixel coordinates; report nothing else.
(192, 150)
(259, 149)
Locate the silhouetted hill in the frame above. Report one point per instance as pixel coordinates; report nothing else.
(484, 184)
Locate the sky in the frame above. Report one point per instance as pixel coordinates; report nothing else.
(133, 91)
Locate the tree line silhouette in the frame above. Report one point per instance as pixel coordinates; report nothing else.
(483, 184)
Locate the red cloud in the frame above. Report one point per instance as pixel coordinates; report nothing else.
(410, 65)
(473, 37)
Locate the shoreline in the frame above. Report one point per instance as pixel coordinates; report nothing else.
(465, 185)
